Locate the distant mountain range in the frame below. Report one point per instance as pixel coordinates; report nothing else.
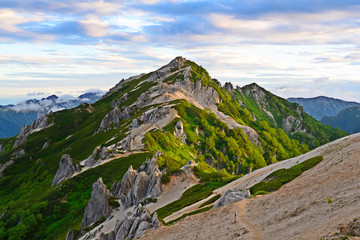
(13, 117)
(334, 112)
(319, 107)
(348, 120)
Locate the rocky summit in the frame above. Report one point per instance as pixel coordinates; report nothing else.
(156, 150)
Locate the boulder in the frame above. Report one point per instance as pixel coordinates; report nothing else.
(104, 154)
(179, 131)
(230, 196)
(66, 169)
(98, 206)
(134, 123)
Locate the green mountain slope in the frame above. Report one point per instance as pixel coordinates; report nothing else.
(177, 109)
(279, 113)
(347, 120)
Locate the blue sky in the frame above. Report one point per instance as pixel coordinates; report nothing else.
(292, 48)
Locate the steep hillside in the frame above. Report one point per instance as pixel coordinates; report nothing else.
(13, 117)
(347, 120)
(322, 203)
(320, 107)
(92, 168)
(279, 113)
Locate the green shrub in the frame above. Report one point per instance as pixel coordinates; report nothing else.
(113, 202)
(211, 200)
(278, 178)
(165, 179)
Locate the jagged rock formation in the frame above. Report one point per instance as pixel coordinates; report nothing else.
(104, 154)
(122, 188)
(3, 166)
(26, 130)
(154, 115)
(135, 123)
(134, 226)
(66, 169)
(179, 131)
(137, 186)
(98, 206)
(292, 125)
(114, 116)
(91, 160)
(232, 195)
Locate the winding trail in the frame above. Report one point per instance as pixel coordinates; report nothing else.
(244, 219)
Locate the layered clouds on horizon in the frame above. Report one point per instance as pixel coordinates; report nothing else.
(292, 48)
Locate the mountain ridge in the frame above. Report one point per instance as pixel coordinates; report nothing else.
(322, 106)
(147, 131)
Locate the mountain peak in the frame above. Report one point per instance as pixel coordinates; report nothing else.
(177, 62)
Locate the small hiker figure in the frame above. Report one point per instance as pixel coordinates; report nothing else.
(234, 217)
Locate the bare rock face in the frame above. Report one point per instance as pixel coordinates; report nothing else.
(46, 145)
(137, 186)
(134, 226)
(114, 116)
(230, 196)
(134, 123)
(22, 136)
(179, 131)
(5, 165)
(154, 115)
(91, 160)
(66, 169)
(1, 149)
(126, 183)
(104, 154)
(98, 206)
(292, 125)
(26, 130)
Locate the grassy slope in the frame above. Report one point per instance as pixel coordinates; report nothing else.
(28, 181)
(280, 108)
(282, 176)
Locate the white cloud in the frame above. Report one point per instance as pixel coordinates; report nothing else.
(94, 26)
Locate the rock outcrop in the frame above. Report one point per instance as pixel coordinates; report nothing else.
(1, 149)
(179, 131)
(98, 206)
(132, 227)
(3, 166)
(66, 169)
(26, 130)
(138, 186)
(104, 154)
(155, 114)
(291, 125)
(91, 160)
(230, 196)
(114, 116)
